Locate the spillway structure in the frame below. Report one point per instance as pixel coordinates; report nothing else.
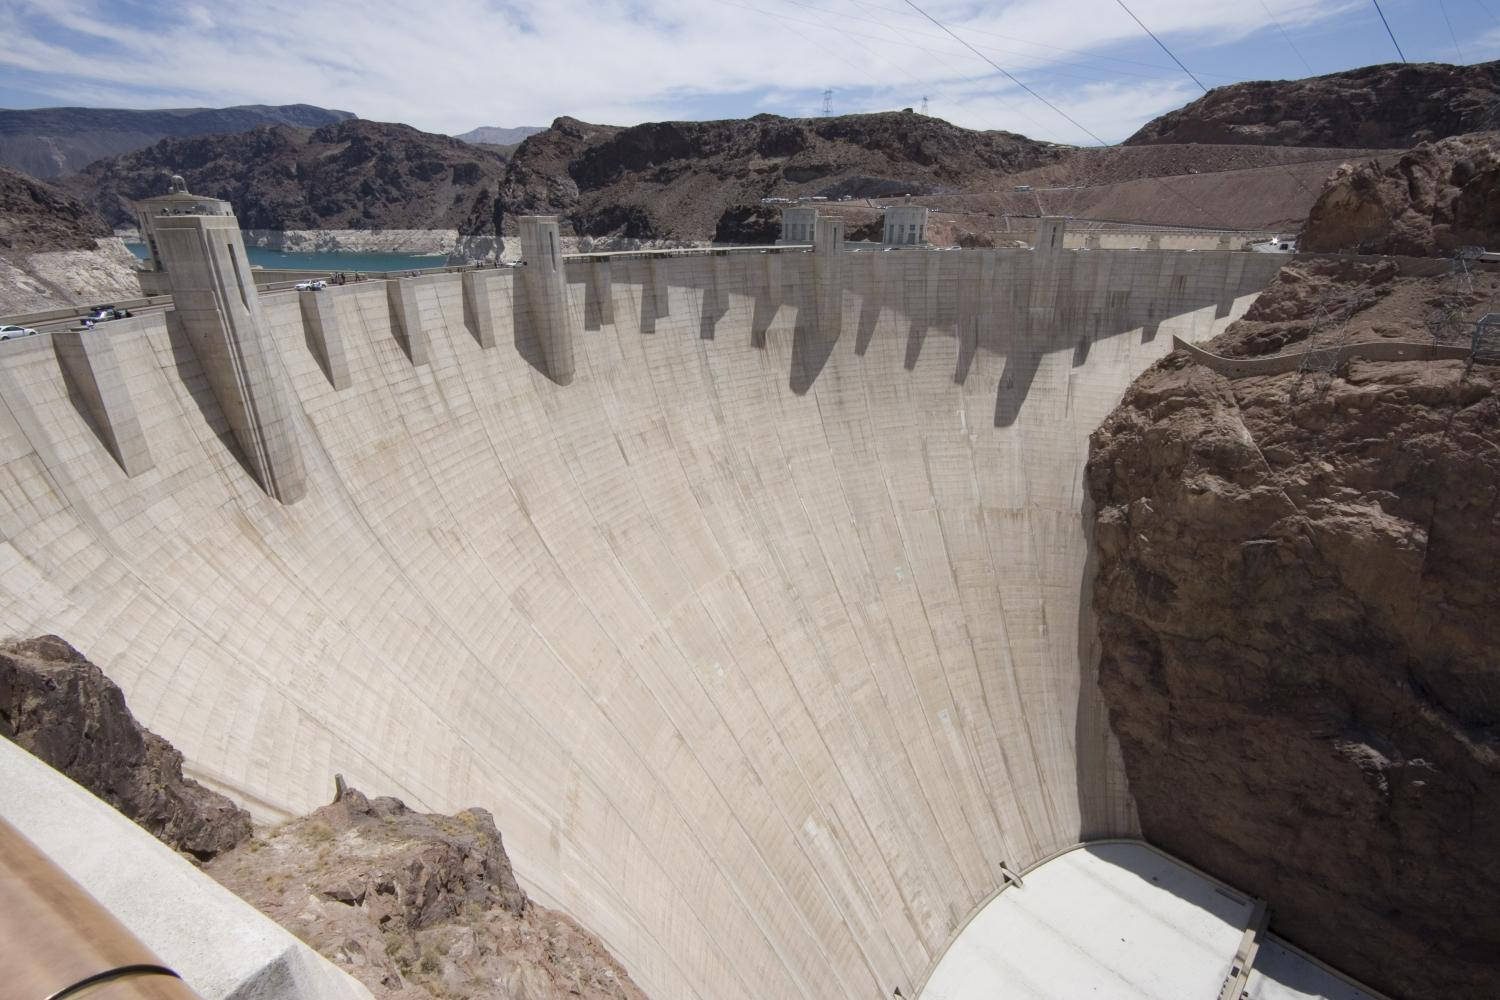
(747, 588)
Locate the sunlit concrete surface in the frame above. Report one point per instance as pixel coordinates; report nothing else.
(765, 639)
(1120, 921)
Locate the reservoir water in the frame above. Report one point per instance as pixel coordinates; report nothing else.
(279, 261)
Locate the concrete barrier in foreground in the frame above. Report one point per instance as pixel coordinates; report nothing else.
(221, 946)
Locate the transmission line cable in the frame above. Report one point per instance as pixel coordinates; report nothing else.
(1076, 124)
(1158, 41)
(1443, 6)
(1002, 71)
(1288, 38)
(1388, 30)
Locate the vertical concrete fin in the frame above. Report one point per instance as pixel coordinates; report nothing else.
(602, 284)
(95, 381)
(320, 325)
(479, 312)
(661, 296)
(546, 294)
(406, 319)
(217, 307)
(1050, 236)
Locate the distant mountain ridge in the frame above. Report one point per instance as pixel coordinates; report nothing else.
(676, 179)
(495, 135)
(1392, 105)
(353, 174)
(51, 142)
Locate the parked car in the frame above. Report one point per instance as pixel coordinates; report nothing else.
(16, 332)
(101, 313)
(316, 285)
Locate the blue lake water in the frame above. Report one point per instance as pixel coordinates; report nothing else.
(276, 260)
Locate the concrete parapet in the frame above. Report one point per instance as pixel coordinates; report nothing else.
(1327, 358)
(92, 372)
(479, 311)
(546, 295)
(320, 324)
(218, 309)
(406, 320)
(220, 945)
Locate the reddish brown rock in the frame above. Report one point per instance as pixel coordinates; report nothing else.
(1298, 613)
(1430, 201)
(1392, 105)
(418, 906)
(61, 708)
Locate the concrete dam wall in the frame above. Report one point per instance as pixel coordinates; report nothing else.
(757, 620)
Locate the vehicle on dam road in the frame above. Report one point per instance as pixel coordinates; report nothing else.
(16, 332)
(316, 285)
(100, 314)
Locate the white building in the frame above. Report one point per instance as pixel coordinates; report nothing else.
(797, 224)
(905, 225)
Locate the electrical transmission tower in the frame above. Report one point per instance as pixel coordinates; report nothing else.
(1448, 320)
(827, 102)
(1321, 361)
(924, 104)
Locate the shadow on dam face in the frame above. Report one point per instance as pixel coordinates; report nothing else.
(766, 648)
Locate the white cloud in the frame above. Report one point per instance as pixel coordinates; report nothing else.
(448, 65)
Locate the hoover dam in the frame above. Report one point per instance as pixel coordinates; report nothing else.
(749, 589)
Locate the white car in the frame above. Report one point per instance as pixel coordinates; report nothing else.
(16, 332)
(311, 286)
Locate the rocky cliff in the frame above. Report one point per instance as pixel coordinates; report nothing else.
(677, 179)
(1434, 199)
(1393, 105)
(35, 216)
(50, 142)
(61, 708)
(418, 906)
(354, 174)
(1298, 618)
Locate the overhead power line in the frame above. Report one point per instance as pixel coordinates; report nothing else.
(1288, 38)
(1002, 71)
(1388, 30)
(1069, 118)
(1443, 6)
(1158, 41)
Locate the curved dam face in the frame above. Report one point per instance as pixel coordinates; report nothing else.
(762, 638)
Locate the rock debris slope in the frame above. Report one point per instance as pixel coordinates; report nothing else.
(417, 906)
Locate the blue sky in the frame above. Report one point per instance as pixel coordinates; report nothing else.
(449, 65)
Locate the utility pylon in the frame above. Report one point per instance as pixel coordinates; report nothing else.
(827, 102)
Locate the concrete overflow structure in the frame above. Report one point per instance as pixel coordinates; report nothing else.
(748, 589)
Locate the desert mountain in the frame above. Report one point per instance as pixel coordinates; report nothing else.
(37, 217)
(494, 135)
(1387, 106)
(50, 142)
(354, 174)
(667, 179)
